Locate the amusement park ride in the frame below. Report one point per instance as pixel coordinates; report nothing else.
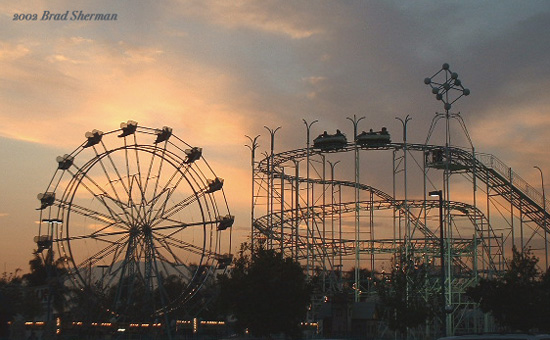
(302, 207)
(130, 212)
(136, 207)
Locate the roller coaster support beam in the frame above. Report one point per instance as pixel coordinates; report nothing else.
(309, 227)
(545, 219)
(271, 178)
(333, 245)
(252, 146)
(357, 287)
(404, 123)
(439, 194)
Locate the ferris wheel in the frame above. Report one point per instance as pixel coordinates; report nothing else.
(139, 213)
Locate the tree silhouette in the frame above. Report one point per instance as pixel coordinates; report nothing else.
(50, 273)
(267, 293)
(403, 300)
(11, 294)
(520, 299)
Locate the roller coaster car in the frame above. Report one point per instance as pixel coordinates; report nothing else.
(373, 138)
(437, 159)
(330, 142)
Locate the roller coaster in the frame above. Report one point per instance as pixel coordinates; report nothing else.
(332, 221)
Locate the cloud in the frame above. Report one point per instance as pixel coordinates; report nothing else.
(290, 20)
(10, 52)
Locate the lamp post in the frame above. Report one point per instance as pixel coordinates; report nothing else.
(253, 145)
(439, 194)
(544, 208)
(271, 179)
(333, 243)
(48, 262)
(355, 122)
(309, 224)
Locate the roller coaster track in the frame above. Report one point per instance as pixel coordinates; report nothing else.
(485, 167)
(429, 242)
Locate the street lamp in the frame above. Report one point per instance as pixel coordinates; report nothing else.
(48, 261)
(439, 194)
(544, 207)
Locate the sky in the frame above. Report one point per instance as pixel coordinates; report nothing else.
(216, 71)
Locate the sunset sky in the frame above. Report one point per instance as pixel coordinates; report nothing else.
(216, 71)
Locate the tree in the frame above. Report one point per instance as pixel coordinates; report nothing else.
(10, 297)
(267, 293)
(519, 299)
(366, 280)
(50, 273)
(403, 300)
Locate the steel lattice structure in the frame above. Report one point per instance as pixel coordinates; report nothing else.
(332, 220)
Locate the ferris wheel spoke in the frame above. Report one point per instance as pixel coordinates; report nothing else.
(160, 166)
(177, 171)
(82, 176)
(191, 248)
(98, 236)
(114, 270)
(155, 209)
(106, 173)
(181, 226)
(98, 256)
(170, 240)
(158, 274)
(160, 211)
(176, 263)
(181, 170)
(122, 277)
(181, 205)
(150, 168)
(96, 215)
(138, 164)
(101, 197)
(136, 206)
(102, 229)
(115, 169)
